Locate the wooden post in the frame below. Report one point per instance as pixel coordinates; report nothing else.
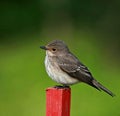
(58, 101)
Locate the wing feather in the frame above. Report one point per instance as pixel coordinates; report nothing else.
(73, 67)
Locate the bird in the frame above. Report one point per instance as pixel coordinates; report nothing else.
(66, 69)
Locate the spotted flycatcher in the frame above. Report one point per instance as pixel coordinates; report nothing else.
(65, 68)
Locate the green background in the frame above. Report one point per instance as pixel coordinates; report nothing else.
(90, 28)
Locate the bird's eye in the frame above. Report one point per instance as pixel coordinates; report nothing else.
(54, 49)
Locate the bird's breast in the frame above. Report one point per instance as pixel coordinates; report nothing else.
(56, 73)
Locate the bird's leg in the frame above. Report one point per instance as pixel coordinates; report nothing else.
(60, 86)
(66, 86)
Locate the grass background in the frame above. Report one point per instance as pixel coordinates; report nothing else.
(24, 80)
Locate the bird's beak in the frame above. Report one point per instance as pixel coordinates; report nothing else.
(43, 47)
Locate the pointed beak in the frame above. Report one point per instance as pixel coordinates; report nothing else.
(43, 47)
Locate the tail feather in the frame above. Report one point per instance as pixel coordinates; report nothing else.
(100, 86)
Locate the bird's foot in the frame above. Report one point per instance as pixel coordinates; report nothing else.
(60, 86)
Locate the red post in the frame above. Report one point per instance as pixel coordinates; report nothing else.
(58, 101)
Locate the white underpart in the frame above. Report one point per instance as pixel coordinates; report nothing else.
(56, 73)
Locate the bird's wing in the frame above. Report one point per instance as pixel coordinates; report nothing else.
(73, 67)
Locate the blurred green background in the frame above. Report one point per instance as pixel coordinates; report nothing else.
(90, 28)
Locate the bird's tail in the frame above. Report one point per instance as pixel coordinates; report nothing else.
(101, 87)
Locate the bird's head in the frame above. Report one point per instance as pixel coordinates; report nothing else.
(56, 47)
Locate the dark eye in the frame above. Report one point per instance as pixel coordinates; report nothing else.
(54, 49)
